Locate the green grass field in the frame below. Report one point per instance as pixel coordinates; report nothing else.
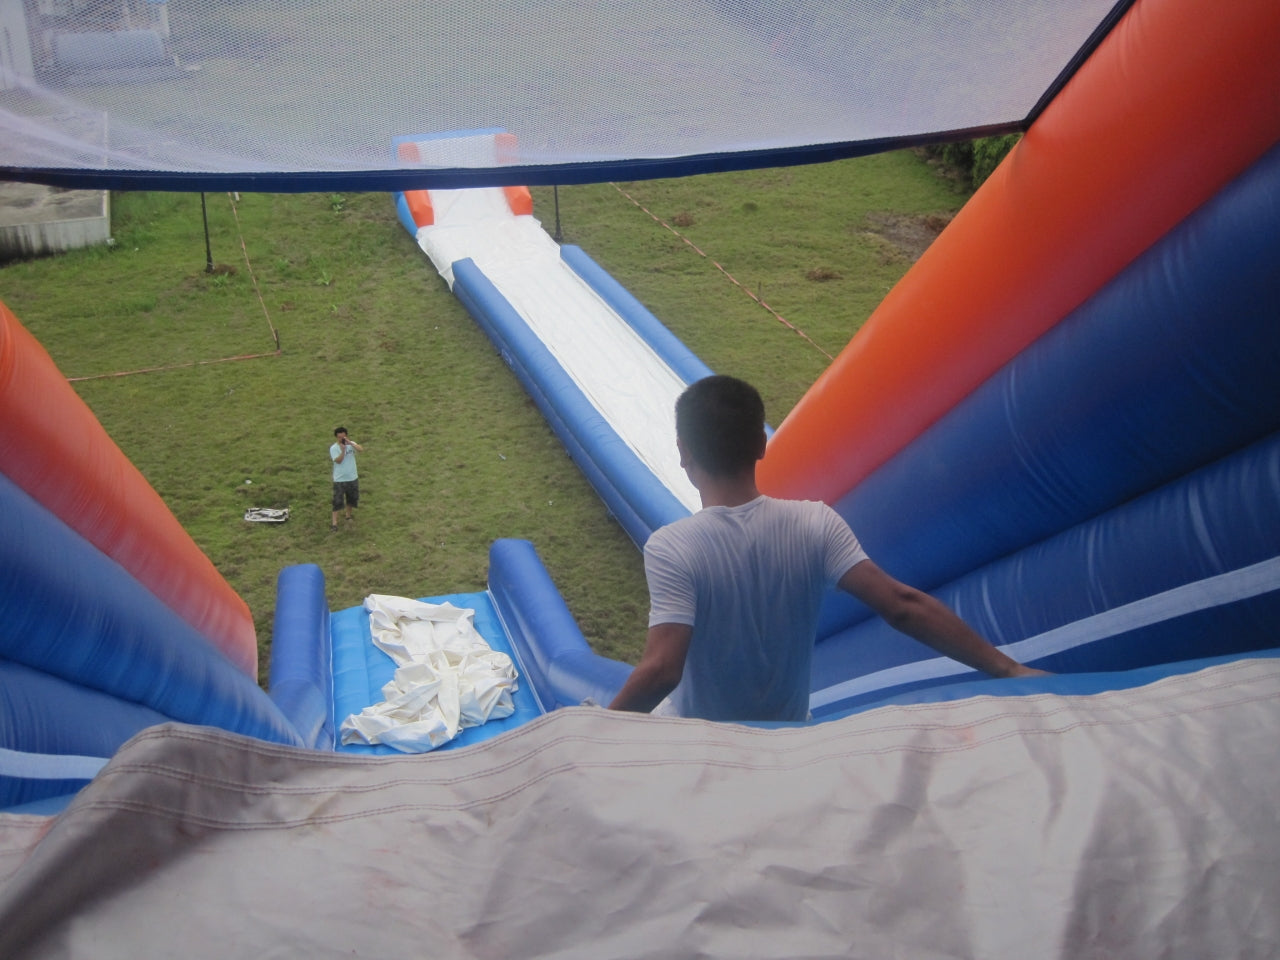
(455, 453)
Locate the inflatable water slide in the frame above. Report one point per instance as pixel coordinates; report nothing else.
(605, 374)
(1063, 422)
(602, 369)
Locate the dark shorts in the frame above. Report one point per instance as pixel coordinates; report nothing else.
(348, 491)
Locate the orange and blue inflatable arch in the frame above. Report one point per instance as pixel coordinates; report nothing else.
(113, 619)
(1064, 419)
(1064, 422)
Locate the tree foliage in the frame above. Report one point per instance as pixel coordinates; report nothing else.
(975, 159)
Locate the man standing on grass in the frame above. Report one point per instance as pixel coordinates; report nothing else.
(735, 589)
(346, 486)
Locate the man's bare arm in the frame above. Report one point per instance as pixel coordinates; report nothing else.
(659, 670)
(928, 620)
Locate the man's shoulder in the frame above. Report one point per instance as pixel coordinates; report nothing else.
(806, 506)
(674, 540)
(670, 531)
(771, 509)
(767, 504)
(809, 520)
(759, 508)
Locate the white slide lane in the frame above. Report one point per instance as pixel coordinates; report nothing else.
(619, 373)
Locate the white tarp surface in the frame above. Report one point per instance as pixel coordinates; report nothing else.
(1137, 823)
(447, 677)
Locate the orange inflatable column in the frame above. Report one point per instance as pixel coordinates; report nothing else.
(420, 207)
(519, 200)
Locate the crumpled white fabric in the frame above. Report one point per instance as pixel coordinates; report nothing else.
(447, 677)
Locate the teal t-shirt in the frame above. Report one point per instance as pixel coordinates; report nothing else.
(346, 470)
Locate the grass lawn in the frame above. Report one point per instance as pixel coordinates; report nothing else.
(455, 453)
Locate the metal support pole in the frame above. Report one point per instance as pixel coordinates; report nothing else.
(208, 250)
(555, 191)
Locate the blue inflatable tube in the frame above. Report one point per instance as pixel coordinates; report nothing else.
(44, 715)
(1189, 570)
(350, 638)
(1060, 684)
(40, 713)
(404, 216)
(1173, 364)
(70, 611)
(682, 361)
(638, 500)
(553, 654)
(301, 675)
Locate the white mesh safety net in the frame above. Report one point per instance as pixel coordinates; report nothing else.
(320, 88)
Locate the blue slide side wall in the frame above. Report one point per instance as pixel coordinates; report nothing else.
(301, 676)
(45, 715)
(404, 216)
(1172, 365)
(350, 639)
(1186, 571)
(554, 655)
(110, 633)
(1065, 685)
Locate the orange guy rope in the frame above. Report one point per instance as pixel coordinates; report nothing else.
(275, 335)
(779, 317)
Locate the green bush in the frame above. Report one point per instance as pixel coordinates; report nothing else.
(987, 154)
(958, 155)
(974, 160)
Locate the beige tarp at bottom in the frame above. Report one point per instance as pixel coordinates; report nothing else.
(1140, 823)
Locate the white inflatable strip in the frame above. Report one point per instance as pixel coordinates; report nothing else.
(48, 766)
(1239, 584)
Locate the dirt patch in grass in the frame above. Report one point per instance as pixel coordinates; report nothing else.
(909, 236)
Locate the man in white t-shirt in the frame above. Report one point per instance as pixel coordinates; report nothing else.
(735, 589)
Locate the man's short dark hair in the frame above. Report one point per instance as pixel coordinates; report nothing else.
(720, 422)
(338, 430)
